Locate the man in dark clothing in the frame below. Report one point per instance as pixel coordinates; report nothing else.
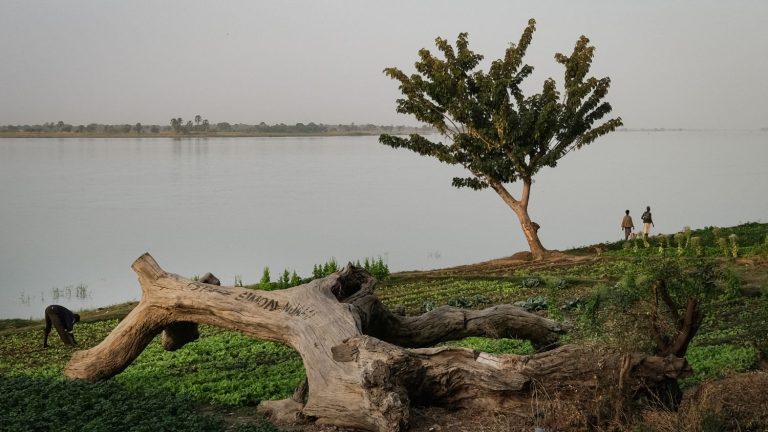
(647, 221)
(64, 320)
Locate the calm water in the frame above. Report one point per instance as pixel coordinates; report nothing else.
(75, 213)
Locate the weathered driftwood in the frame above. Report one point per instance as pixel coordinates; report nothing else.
(358, 373)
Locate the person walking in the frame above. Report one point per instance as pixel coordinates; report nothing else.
(64, 320)
(647, 221)
(627, 225)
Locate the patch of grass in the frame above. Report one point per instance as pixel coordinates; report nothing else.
(716, 361)
(221, 367)
(37, 404)
(413, 294)
(494, 346)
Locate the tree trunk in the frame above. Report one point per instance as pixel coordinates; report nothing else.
(355, 376)
(531, 232)
(520, 207)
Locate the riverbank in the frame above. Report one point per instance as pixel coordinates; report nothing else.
(597, 291)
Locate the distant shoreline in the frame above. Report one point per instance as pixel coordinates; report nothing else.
(183, 136)
(335, 133)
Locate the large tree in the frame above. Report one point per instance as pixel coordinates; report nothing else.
(491, 128)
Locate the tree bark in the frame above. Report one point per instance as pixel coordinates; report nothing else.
(520, 207)
(356, 376)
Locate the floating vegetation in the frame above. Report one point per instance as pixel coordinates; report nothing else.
(70, 292)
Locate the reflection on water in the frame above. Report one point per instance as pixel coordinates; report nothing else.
(69, 293)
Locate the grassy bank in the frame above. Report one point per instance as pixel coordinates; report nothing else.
(214, 383)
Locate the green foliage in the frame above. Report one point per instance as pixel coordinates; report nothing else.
(680, 240)
(165, 387)
(496, 133)
(587, 314)
(654, 294)
(533, 304)
(494, 346)
(265, 281)
(717, 361)
(764, 247)
(722, 242)
(530, 282)
(696, 246)
(732, 283)
(713, 241)
(424, 295)
(734, 245)
(288, 279)
(323, 270)
(36, 404)
(222, 367)
(295, 279)
(377, 268)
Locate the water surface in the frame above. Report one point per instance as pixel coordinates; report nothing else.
(76, 212)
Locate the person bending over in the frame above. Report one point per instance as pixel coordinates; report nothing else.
(64, 320)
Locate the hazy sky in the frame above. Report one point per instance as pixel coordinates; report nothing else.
(690, 64)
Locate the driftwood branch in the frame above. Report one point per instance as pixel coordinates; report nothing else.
(358, 372)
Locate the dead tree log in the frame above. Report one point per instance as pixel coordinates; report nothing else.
(358, 374)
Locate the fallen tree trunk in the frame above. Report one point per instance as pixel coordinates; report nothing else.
(358, 374)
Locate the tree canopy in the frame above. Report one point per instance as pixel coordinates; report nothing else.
(493, 129)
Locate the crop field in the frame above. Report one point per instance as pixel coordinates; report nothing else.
(215, 383)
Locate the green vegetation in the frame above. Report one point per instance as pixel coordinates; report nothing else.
(491, 128)
(377, 267)
(159, 391)
(38, 404)
(748, 239)
(494, 346)
(199, 128)
(607, 300)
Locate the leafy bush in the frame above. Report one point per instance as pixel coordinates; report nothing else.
(323, 270)
(376, 267)
(265, 281)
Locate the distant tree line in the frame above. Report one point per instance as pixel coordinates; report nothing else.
(91, 128)
(200, 126)
(179, 126)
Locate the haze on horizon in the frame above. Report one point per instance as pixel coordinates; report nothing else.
(682, 64)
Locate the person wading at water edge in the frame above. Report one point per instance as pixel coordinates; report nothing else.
(64, 320)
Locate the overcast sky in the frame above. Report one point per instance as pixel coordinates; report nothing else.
(689, 64)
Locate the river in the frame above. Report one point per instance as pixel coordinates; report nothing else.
(76, 212)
